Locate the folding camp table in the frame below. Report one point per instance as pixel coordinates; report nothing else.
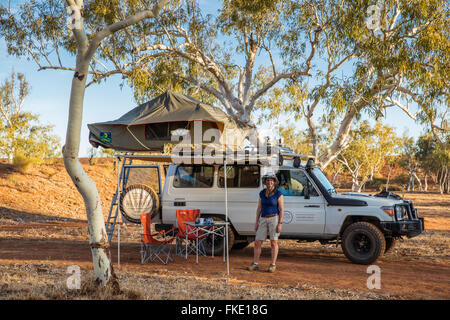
(202, 231)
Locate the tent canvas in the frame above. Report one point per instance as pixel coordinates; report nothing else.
(148, 127)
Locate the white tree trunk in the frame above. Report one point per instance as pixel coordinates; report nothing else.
(98, 240)
(418, 180)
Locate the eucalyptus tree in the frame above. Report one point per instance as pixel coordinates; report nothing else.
(232, 58)
(21, 134)
(371, 57)
(39, 29)
(367, 154)
(434, 160)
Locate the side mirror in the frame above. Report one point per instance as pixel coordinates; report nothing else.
(306, 190)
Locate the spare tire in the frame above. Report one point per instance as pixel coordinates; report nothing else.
(138, 199)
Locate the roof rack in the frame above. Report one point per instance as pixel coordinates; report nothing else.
(236, 156)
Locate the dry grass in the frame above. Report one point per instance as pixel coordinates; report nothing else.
(48, 282)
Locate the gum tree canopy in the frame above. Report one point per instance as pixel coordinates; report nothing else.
(371, 56)
(323, 61)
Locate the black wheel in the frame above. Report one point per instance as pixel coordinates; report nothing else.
(137, 199)
(390, 242)
(363, 242)
(240, 245)
(218, 241)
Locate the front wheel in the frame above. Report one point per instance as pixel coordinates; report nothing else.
(363, 242)
(218, 241)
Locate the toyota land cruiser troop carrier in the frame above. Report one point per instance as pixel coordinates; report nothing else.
(366, 226)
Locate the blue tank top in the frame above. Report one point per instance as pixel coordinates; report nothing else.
(269, 206)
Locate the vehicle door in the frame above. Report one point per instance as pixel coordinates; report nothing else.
(302, 214)
(243, 185)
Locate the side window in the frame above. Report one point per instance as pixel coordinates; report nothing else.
(293, 182)
(194, 176)
(240, 176)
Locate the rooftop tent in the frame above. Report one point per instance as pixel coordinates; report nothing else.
(148, 127)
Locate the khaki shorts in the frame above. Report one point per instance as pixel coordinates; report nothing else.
(267, 226)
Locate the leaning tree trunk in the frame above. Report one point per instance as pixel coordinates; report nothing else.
(98, 240)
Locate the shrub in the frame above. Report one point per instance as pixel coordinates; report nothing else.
(22, 163)
(377, 183)
(401, 179)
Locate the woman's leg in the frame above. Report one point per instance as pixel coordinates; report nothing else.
(274, 250)
(257, 250)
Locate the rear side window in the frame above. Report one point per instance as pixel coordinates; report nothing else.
(240, 176)
(194, 176)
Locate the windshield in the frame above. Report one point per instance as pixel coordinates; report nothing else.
(323, 180)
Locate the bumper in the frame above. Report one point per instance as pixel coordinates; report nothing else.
(409, 228)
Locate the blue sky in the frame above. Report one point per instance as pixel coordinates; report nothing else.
(50, 92)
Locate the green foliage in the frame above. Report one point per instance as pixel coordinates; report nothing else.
(432, 156)
(298, 141)
(401, 179)
(367, 153)
(21, 134)
(351, 70)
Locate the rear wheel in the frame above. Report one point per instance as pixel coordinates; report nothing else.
(363, 242)
(240, 245)
(218, 241)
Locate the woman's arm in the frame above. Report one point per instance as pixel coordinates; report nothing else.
(258, 213)
(281, 209)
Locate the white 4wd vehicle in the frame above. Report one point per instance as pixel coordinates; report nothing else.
(366, 226)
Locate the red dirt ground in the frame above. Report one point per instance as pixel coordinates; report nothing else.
(411, 277)
(33, 232)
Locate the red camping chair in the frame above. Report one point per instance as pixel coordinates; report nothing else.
(183, 248)
(154, 245)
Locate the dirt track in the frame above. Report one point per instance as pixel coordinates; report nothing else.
(407, 276)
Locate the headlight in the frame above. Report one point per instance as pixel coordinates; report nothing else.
(401, 212)
(388, 210)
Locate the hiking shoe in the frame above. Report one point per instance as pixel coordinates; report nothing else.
(272, 268)
(253, 267)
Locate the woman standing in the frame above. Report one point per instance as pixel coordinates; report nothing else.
(269, 217)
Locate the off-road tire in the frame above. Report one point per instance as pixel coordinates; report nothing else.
(240, 245)
(138, 199)
(363, 242)
(390, 243)
(218, 242)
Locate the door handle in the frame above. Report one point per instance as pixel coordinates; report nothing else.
(312, 206)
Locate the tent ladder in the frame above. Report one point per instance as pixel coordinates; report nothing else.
(114, 208)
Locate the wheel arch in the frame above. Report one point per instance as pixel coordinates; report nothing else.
(359, 218)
